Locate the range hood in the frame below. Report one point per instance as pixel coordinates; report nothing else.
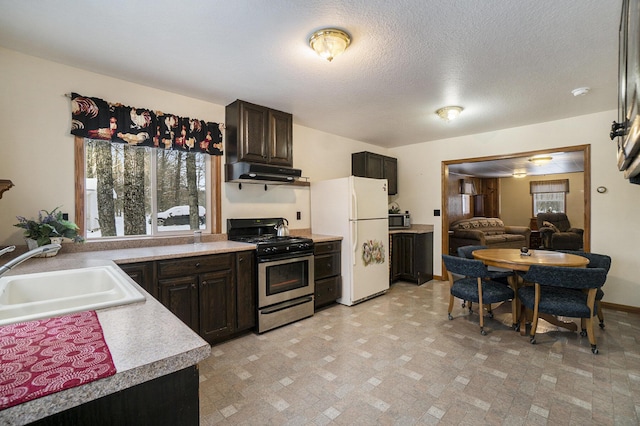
(260, 173)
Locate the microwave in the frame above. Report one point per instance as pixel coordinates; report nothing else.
(399, 220)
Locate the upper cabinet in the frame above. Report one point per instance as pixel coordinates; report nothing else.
(258, 134)
(368, 164)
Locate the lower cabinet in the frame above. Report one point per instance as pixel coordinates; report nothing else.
(215, 295)
(327, 273)
(411, 257)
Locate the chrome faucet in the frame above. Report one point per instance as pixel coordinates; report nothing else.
(28, 255)
(8, 249)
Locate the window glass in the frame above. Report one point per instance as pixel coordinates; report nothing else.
(548, 202)
(137, 191)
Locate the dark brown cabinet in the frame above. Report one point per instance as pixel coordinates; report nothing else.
(215, 295)
(327, 273)
(371, 165)
(411, 257)
(258, 134)
(142, 273)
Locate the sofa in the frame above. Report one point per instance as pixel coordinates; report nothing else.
(487, 231)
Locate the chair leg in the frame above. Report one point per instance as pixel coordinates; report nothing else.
(534, 327)
(583, 327)
(590, 333)
(600, 315)
(489, 310)
(450, 306)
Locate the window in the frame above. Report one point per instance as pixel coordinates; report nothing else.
(549, 196)
(138, 191)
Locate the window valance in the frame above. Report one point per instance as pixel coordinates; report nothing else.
(541, 186)
(94, 118)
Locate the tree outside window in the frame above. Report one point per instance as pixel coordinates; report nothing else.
(138, 191)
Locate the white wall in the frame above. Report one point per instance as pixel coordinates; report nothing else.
(615, 227)
(41, 166)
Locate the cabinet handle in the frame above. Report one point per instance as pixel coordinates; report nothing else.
(197, 264)
(193, 286)
(204, 283)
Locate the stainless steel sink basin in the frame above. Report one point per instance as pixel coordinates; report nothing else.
(48, 294)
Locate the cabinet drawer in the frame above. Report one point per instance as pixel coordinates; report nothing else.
(326, 265)
(327, 290)
(197, 264)
(330, 247)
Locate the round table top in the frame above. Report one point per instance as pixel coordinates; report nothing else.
(513, 259)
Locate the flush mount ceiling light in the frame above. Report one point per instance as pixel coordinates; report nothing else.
(329, 42)
(449, 113)
(541, 160)
(580, 91)
(519, 175)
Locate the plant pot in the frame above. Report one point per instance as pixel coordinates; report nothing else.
(32, 244)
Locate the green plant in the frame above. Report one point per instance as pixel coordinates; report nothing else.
(49, 225)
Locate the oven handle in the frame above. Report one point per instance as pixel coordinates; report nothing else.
(286, 305)
(288, 256)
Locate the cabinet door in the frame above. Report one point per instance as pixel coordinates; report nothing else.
(280, 138)
(397, 257)
(217, 304)
(180, 296)
(409, 270)
(253, 133)
(391, 174)
(375, 166)
(142, 273)
(246, 291)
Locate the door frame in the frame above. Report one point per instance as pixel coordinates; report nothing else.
(444, 179)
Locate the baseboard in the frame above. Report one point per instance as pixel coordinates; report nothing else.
(624, 308)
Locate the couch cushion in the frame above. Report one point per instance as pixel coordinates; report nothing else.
(488, 225)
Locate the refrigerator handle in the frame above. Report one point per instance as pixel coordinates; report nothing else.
(354, 239)
(354, 205)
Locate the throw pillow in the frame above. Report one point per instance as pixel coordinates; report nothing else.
(550, 225)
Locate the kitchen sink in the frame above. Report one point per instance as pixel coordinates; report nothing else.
(48, 294)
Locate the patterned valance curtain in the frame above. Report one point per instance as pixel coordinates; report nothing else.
(94, 118)
(540, 186)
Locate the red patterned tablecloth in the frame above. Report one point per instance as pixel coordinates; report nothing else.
(38, 358)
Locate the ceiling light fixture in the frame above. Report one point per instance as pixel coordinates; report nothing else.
(519, 175)
(580, 91)
(541, 160)
(329, 42)
(449, 113)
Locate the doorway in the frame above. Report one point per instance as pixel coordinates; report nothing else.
(449, 188)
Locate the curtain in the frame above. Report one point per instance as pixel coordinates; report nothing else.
(94, 118)
(540, 186)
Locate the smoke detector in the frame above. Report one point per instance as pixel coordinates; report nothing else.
(580, 91)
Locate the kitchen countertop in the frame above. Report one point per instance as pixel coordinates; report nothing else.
(414, 229)
(145, 339)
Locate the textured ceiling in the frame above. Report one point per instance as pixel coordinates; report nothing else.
(508, 63)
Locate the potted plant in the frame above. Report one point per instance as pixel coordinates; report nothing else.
(50, 227)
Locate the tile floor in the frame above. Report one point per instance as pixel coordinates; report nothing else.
(397, 360)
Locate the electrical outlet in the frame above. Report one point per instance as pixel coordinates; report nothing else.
(298, 215)
(65, 216)
(436, 212)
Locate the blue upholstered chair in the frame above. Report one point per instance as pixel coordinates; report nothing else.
(496, 274)
(595, 261)
(474, 285)
(554, 292)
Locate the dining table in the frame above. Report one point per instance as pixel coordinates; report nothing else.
(521, 260)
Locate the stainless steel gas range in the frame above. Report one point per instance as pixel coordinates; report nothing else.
(284, 271)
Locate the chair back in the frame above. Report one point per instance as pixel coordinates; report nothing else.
(595, 260)
(560, 276)
(465, 251)
(466, 267)
(560, 220)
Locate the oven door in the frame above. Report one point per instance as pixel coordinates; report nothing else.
(284, 279)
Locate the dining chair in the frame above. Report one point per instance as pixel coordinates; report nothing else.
(595, 261)
(554, 292)
(474, 285)
(500, 275)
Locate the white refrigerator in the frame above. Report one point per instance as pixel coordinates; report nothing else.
(356, 209)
